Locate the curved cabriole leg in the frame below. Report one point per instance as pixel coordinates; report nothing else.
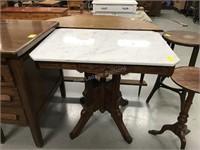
(115, 111)
(163, 129)
(88, 108)
(176, 129)
(117, 117)
(85, 116)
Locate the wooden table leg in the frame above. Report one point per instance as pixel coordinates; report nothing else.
(194, 55)
(159, 83)
(88, 107)
(86, 113)
(179, 128)
(3, 138)
(155, 87)
(62, 85)
(114, 108)
(117, 117)
(141, 81)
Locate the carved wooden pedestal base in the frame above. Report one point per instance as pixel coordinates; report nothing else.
(104, 96)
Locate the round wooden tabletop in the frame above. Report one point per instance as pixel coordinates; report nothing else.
(185, 38)
(187, 77)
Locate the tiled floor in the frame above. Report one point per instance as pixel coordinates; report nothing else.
(101, 132)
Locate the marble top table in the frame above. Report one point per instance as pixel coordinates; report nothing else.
(100, 53)
(105, 47)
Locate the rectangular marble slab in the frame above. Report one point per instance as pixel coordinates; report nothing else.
(105, 47)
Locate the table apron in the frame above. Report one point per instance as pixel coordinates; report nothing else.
(109, 69)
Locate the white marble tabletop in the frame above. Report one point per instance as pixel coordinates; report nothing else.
(121, 47)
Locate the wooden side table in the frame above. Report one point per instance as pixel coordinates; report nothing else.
(188, 79)
(183, 38)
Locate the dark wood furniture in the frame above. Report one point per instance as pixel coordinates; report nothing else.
(33, 13)
(25, 90)
(187, 78)
(152, 8)
(183, 38)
